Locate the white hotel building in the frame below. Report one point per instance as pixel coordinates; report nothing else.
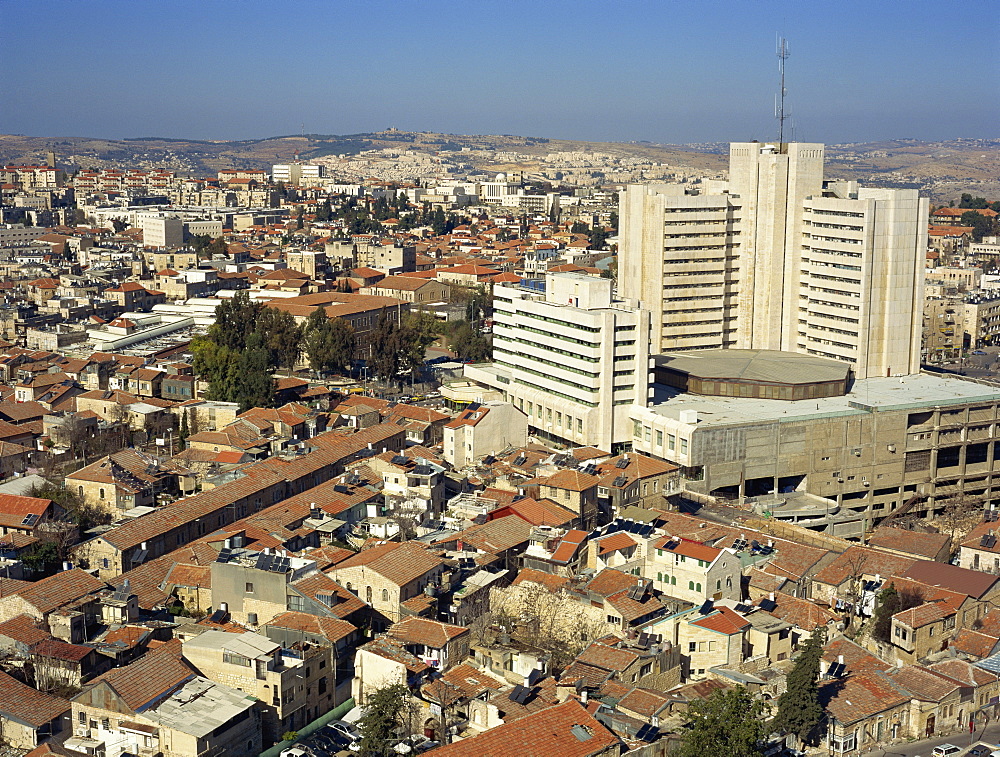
(572, 359)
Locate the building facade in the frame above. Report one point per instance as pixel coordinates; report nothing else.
(779, 259)
(572, 359)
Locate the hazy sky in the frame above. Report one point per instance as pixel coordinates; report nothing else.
(662, 71)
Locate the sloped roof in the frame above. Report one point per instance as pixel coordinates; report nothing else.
(566, 730)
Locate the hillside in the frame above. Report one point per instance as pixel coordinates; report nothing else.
(943, 169)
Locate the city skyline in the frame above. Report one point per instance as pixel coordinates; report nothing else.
(660, 72)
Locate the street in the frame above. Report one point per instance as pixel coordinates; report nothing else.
(989, 735)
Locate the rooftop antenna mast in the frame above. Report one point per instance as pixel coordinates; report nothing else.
(779, 105)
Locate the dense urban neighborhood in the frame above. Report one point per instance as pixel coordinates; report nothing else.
(385, 452)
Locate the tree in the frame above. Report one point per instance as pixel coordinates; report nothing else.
(42, 559)
(250, 378)
(329, 343)
(385, 347)
(385, 714)
(469, 344)
(282, 336)
(981, 225)
(799, 708)
(729, 723)
(235, 319)
(598, 238)
(888, 603)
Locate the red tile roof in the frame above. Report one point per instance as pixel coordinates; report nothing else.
(566, 730)
(723, 620)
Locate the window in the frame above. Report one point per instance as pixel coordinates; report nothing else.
(659, 438)
(614, 620)
(102, 492)
(232, 658)
(718, 585)
(385, 595)
(579, 425)
(692, 646)
(711, 646)
(684, 446)
(671, 441)
(82, 717)
(673, 580)
(249, 588)
(691, 585)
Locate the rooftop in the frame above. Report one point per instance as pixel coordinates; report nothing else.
(918, 391)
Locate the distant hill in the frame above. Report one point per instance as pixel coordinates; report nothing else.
(943, 169)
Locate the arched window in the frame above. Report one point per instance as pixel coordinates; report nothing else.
(691, 585)
(385, 595)
(368, 594)
(102, 492)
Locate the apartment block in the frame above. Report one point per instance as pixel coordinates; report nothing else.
(779, 259)
(571, 358)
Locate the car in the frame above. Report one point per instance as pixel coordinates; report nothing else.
(346, 731)
(294, 751)
(977, 352)
(980, 750)
(945, 750)
(414, 744)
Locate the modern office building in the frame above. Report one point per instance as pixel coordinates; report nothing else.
(571, 357)
(779, 259)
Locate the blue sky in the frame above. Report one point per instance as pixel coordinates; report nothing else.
(662, 71)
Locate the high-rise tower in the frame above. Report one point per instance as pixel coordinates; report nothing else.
(780, 259)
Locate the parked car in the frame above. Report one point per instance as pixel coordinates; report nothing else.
(980, 750)
(346, 731)
(977, 352)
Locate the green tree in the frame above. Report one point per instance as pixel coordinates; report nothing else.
(598, 238)
(385, 715)
(729, 723)
(42, 559)
(84, 515)
(579, 227)
(799, 708)
(250, 379)
(417, 333)
(469, 344)
(329, 343)
(282, 336)
(981, 225)
(887, 605)
(235, 319)
(385, 347)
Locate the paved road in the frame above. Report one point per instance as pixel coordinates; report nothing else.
(990, 735)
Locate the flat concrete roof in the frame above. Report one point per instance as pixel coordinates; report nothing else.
(916, 392)
(762, 366)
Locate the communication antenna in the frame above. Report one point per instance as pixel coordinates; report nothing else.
(779, 105)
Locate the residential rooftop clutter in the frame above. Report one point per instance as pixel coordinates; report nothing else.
(552, 517)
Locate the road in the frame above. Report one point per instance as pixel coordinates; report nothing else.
(989, 735)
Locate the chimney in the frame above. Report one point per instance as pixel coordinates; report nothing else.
(771, 597)
(583, 697)
(840, 659)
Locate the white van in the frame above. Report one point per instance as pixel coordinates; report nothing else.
(945, 750)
